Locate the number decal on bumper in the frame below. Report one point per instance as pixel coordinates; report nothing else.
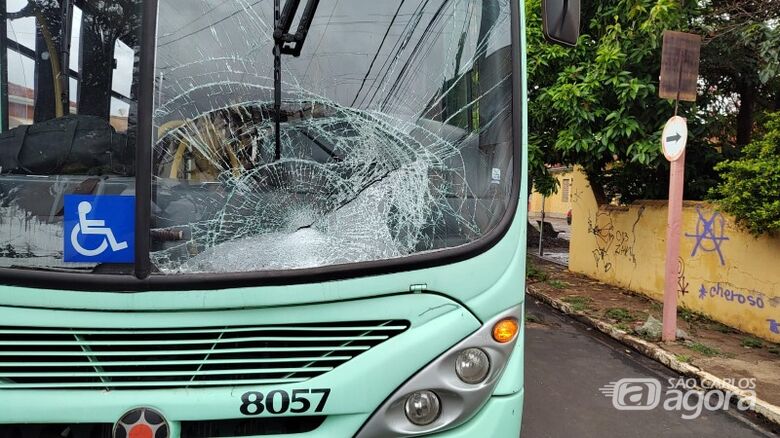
(279, 401)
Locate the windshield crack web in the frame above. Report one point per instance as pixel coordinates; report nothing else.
(421, 163)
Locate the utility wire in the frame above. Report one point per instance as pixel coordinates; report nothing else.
(376, 55)
(400, 45)
(208, 26)
(423, 38)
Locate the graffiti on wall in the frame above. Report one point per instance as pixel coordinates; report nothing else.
(710, 234)
(611, 241)
(682, 284)
(774, 326)
(627, 241)
(625, 245)
(602, 228)
(576, 195)
(732, 295)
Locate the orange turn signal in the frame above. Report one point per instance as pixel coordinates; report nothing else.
(505, 330)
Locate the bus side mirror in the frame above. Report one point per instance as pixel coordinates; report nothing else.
(561, 21)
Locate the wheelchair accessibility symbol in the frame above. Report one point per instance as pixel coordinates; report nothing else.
(99, 229)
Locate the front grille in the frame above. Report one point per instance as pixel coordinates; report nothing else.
(248, 427)
(46, 358)
(87, 430)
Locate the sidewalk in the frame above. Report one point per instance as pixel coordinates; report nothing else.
(715, 352)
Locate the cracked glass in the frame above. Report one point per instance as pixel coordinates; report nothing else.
(395, 134)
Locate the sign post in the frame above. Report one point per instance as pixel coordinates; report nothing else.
(679, 81)
(674, 139)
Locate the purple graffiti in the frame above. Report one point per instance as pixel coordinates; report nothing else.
(774, 326)
(724, 293)
(708, 237)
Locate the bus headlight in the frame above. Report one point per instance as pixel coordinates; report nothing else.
(472, 365)
(451, 389)
(422, 407)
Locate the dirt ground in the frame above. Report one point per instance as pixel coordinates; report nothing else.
(713, 347)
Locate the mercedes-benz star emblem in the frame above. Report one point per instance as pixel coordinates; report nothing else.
(141, 423)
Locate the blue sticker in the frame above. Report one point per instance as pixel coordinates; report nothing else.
(99, 229)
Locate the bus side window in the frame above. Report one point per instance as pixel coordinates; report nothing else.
(68, 89)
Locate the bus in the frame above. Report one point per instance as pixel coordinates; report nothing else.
(263, 218)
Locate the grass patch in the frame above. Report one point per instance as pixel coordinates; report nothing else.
(530, 317)
(624, 327)
(687, 315)
(721, 328)
(557, 284)
(619, 314)
(534, 273)
(774, 350)
(750, 342)
(646, 336)
(640, 315)
(706, 350)
(578, 303)
(684, 358)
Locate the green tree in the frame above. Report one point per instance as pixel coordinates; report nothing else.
(597, 105)
(751, 185)
(740, 63)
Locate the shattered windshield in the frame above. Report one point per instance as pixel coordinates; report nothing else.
(394, 139)
(339, 132)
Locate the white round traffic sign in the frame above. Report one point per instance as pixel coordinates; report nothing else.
(675, 138)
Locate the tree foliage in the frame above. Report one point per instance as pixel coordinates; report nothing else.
(751, 185)
(597, 105)
(740, 63)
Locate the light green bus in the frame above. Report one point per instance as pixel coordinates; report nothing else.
(254, 218)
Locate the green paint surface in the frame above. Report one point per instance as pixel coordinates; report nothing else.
(457, 299)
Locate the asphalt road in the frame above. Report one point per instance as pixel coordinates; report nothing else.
(567, 363)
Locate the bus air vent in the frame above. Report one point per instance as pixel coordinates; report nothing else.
(250, 427)
(245, 427)
(84, 358)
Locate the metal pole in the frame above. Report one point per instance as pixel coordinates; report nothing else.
(143, 157)
(679, 82)
(65, 33)
(4, 118)
(541, 230)
(673, 232)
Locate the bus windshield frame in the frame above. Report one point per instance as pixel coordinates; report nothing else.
(142, 277)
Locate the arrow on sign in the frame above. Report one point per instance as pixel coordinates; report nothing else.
(674, 138)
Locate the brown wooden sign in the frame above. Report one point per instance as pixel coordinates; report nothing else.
(680, 66)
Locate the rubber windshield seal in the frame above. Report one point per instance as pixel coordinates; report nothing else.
(91, 282)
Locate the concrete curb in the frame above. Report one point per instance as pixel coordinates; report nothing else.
(764, 409)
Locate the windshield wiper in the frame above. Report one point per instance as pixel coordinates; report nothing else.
(286, 43)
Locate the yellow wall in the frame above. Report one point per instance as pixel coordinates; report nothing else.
(723, 272)
(556, 205)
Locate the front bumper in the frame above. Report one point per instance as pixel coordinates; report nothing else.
(357, 387)
(499, 418)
